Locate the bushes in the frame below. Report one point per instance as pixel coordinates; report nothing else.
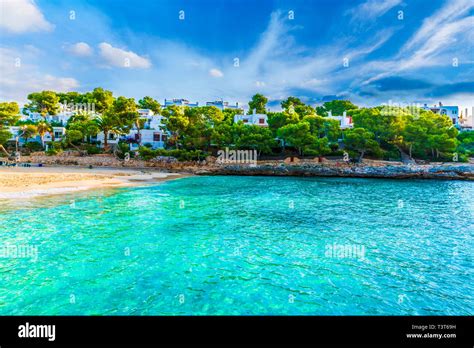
(122, 149)
(181, 155)
(391, 155)
(466, 143)
(93, 149)
(33, 146)
(337, 153)
(311, 152)
(54, 149)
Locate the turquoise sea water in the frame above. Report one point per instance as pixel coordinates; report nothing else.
(244, 246)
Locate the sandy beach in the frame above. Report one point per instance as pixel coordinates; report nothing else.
(19, 182)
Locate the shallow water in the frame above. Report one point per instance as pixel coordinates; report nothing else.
(243, 245)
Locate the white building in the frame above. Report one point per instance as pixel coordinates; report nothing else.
(466, 121)
(58, 133)
(451, 111)
(61, 118)
(222, 105)
(180, 102)
(152, 133)
(112, 138)
(253, 119)
(344, 120)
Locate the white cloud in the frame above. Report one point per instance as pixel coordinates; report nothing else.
(447, 14)
(80, 49)
(21, 16)
(120, 58)
(18, 78)
(216, 73)
(444, 35)
(372, 9)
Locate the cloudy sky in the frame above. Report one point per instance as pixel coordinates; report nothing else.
(372, 52)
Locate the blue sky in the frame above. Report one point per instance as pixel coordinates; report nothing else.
(371, 52)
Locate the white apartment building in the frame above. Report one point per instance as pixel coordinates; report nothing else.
(222, 105)
(180, 102)
(253, 119)
(451, 111)
(58, 133)
(344, 120)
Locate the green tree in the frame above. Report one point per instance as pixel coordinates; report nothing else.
(70, 97)
(294, 104)
(85, 124)
(223, 135)
(466, 143)
(428, 134)
(277, 120)
(321, 146)
(360, 140)
(202, 121)
(42, 128)
(297, 135)
(229, 115)
(107, 123)
(150, 103)
(386, 125)
(45, 103)
(27, 132)
(337, 107)
(258, 103)
(72, 137)
(119, 118)
(176, 122)
(254, 137)
(323, 127)
(9, 114)
(101, 98)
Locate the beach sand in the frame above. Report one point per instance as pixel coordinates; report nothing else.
(19, 182)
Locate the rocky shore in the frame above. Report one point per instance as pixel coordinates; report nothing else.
(327, 168)
(437, 171)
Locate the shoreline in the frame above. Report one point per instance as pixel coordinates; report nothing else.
(59, 176)
(32, 182)
(464, 171)
(301, 167)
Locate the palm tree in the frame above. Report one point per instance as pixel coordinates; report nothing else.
(42, 128)
(106, 123)
(139, 124)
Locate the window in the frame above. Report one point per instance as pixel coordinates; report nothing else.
(156, 136)
(245, 120)
(58, 134)
(261, 121)
(163, 137)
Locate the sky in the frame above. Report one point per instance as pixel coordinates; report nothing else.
(371, 52)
